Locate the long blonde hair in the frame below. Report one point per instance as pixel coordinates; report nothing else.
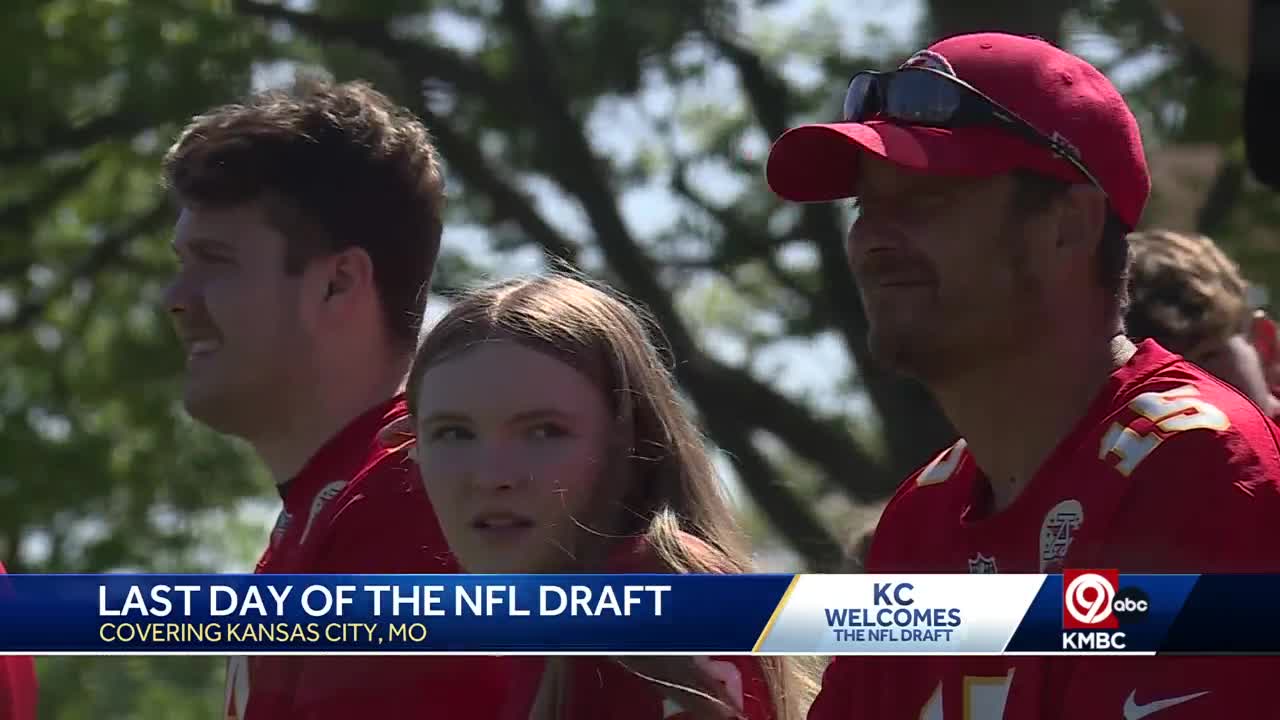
(676, 502)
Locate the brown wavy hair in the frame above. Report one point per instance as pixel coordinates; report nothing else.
(333, 166)
(1184, 291)
(676, 504)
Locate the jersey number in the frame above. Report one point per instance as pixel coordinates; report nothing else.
(1172, 412)
(984, 698)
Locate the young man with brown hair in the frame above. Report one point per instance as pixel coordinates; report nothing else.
(310, 224)
(997, 177)
(1187, 295)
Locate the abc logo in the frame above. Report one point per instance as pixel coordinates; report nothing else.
(1131, 605)
(1092, 599)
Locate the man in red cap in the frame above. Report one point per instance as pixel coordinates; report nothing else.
(996, 179)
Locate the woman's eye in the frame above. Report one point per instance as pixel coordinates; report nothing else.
(546, 431)
(449, 433)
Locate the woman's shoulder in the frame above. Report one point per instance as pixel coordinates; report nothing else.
(617, 688)
(647, 554)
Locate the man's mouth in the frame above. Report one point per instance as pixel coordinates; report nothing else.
(199, 347)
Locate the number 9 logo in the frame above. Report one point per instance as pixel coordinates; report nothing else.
(1089, 598)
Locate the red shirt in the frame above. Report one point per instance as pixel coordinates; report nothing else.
(604, 689)
(17, 686)
(359, 507)
(599, 687)
(1170, 470)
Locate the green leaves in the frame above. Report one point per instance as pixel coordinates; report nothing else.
(627, 138)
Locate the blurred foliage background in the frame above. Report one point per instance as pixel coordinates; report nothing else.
(625, 138)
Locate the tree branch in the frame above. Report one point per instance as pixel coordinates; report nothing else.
(23, 214)
(102, 255)
(67, 138)
(1221, 199)
(14, 268)
(509, 203)
(418, 59)
(1043, 18)
(792, 517)
(826, 443)
(757, 244)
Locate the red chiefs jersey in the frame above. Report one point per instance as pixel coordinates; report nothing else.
(359, 507)
(17, 686)
(1170, 470)
(600, 687)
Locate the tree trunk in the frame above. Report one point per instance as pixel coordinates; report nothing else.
(1023, 17)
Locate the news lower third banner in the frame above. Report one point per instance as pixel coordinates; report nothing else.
(1079, 612)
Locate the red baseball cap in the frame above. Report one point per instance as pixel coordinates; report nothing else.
(1059, 94)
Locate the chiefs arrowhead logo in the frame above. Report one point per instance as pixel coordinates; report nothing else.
(931, 60)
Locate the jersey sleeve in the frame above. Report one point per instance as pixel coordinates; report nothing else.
(841, 690)
(1168, 688)
(17, 688)
(835, 698)
(388, 526)
(342, 688)
(1211, 503)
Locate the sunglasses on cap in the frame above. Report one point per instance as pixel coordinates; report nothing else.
(923, 96)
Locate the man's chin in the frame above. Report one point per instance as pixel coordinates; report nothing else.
(898, 352)
(216, 408)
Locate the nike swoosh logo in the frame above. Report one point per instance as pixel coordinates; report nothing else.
(1134, 711)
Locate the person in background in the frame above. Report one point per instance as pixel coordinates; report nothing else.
(552, 439)
(1187, 295)
(997, 178)
(18, 686)
(1265, 338)
(309, 227)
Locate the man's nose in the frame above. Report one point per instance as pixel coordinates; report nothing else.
(872, 234)
(178, 294)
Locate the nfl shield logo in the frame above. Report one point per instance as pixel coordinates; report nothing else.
(1056, 533)
(982, 565)
(283, 521)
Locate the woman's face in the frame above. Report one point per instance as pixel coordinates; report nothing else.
(513, 447)
(1236, 361)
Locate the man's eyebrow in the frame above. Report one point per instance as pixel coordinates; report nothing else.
(204, 243)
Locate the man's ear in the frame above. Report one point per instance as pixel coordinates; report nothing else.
(350, 270)
(1082, 218)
